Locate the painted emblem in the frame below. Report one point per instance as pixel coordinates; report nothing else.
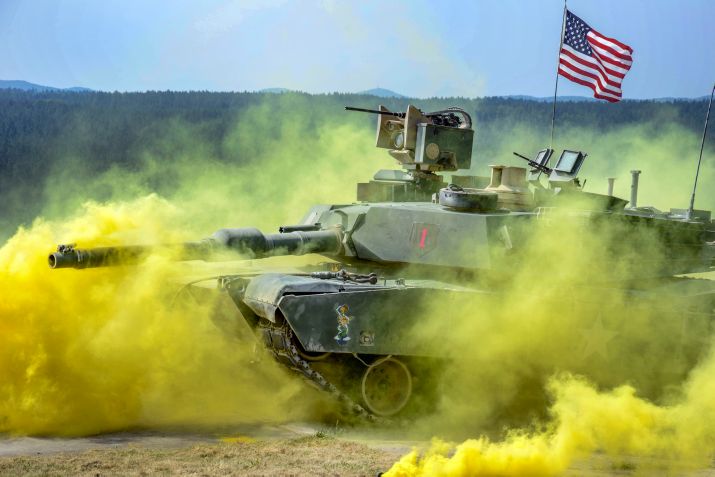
(343, 321)
(423, 237)
(367, 338)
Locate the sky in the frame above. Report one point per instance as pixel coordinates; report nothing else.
(419, 48)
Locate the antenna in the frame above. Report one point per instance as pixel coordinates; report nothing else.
(689, 213)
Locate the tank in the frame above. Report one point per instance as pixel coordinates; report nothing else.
(403, 241)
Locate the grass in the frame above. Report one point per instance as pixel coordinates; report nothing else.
(310, 455)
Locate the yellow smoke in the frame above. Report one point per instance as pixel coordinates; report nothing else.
(285, 157)
(583, 421)
(97, 350)
(610, 354)
(105, 349)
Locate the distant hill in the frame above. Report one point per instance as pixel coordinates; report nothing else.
(79, 89)
(27, 86)
(379, 92)
(382, 93)
(671, 99)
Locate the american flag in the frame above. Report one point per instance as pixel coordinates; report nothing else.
(591, 59)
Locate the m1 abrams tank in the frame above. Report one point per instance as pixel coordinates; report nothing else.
(410, 237)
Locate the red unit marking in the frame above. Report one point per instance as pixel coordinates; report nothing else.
(423, 238)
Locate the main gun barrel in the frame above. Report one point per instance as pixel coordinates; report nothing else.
(248, 242)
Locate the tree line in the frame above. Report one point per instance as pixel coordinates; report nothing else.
(40, 132)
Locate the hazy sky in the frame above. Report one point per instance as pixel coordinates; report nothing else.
(417, 47)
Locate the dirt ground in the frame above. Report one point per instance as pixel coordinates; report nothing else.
(309, 455)
(289, 449)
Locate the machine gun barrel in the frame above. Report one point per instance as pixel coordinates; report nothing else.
(248, 242)
(375, 111)
(535, 165)
(445, 117)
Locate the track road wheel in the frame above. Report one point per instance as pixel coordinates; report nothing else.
(386, 387)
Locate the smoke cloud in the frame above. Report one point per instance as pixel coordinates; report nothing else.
(575, 353)
(572, 354)
(98, 350)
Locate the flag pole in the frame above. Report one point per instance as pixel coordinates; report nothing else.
(689, 213)
(556, 86)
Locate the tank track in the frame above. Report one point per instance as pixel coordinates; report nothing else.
(281, 342)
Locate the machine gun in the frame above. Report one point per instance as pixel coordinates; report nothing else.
(540, 165)
(445, 117)
(425, 143)
(245, 241)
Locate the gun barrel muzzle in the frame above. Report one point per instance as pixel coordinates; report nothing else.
(62, 259)
(67, 256)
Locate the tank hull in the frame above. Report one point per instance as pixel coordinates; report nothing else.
(333, 332)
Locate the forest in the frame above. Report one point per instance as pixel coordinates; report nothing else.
(48, 136)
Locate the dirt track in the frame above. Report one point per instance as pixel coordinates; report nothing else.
(285, 449)
(290, 449)
(25, 446)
